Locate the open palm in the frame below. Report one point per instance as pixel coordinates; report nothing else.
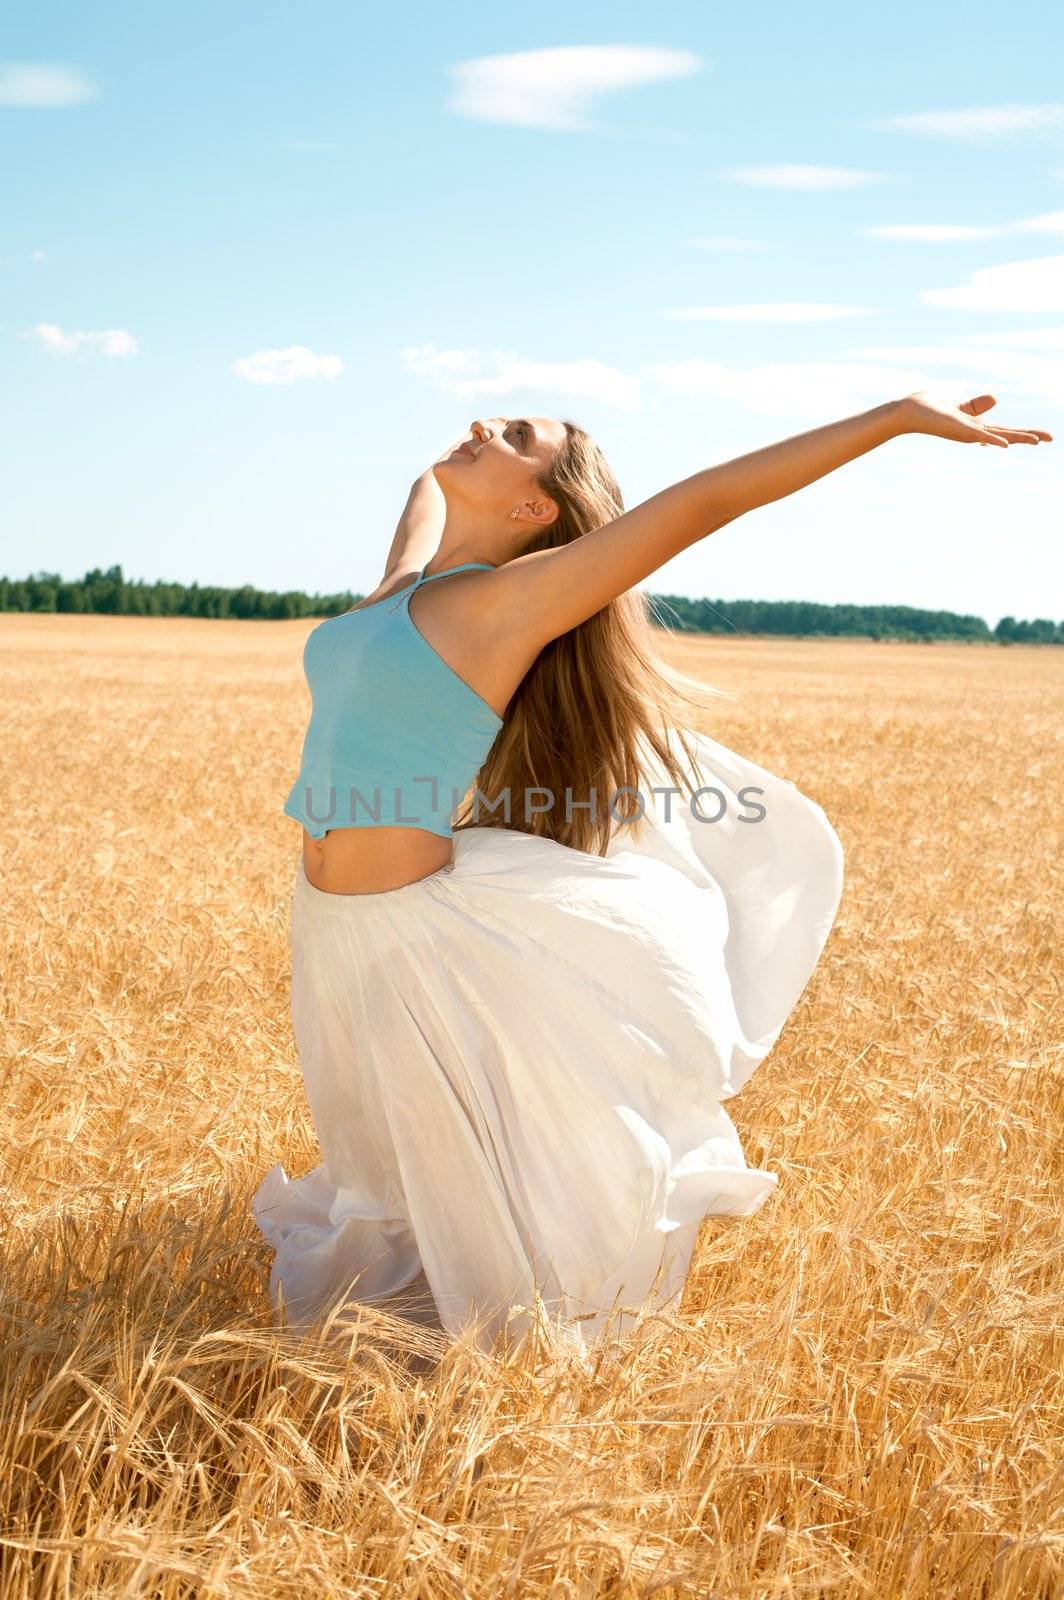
(924, 414)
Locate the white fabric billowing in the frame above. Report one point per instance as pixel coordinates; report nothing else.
(516, 1066)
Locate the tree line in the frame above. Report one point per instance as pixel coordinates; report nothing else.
(111, 593)
(807, 618)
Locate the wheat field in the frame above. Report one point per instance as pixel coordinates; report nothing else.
(861, 1394)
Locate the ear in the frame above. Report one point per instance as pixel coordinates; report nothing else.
(542, 511)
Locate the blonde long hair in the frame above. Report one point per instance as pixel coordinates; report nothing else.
(595, 700)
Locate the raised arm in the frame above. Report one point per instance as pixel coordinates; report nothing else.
(545, 593)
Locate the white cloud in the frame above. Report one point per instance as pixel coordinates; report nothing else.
(285, 366)
(108, 341)
(429, 362)
(869, 375)
(781, 389)
(982, 122)
(980, 367)
(1018, 339)
(465, 373)
(554, 88)
(787, 389)
(1045, 222)
(949, 232)
(767, 311)
(815, 390)
(798, 177)
(33, 85)
(1035, 285)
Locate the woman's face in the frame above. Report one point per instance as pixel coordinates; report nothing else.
(498, 463)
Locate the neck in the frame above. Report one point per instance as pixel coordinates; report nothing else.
(469, 538)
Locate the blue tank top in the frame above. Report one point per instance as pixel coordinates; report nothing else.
(395, 737)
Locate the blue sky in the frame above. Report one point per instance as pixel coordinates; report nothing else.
(692, 231)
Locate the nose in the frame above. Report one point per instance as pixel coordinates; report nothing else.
(480, 430)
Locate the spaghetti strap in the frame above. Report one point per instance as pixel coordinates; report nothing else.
(404, 595)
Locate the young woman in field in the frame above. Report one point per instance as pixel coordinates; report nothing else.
(517, 1021)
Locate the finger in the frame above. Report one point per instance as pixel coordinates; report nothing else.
(978, 404)
(1021, 435)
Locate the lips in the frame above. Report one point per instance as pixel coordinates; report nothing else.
(464, 450)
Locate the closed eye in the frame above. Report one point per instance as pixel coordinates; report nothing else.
(522, 432)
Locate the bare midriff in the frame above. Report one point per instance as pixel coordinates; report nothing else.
(372, 860)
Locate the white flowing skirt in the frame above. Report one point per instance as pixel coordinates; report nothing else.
(517, 1066)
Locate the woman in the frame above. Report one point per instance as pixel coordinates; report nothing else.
(517, 1024)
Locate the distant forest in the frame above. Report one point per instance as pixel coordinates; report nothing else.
(113, 594)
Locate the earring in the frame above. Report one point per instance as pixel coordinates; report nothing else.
(513, 513)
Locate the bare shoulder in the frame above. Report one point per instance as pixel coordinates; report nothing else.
(468, 620)
(524, 600)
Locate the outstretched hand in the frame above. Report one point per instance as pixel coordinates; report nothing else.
(921, 413)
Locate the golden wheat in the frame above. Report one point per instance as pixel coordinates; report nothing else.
(862, 1393)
